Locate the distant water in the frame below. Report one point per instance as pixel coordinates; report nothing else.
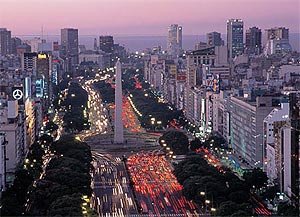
(139, 43)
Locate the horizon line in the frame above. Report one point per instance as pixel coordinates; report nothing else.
(119, 35)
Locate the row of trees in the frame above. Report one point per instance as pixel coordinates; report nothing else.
(179, 143)
(75, 104)
(147, 102)
(106, 91)
(65, 182)
(150, 107)
(14, 198)
(176, 140)
(222, 188)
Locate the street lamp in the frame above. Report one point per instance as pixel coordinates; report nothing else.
(202, 193)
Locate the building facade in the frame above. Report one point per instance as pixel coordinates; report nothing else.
(5, 42)
(214, 39)
(253, 41)
(106, 43)
(246, 128)
(69, 47)
(174, 40)
(235, 41)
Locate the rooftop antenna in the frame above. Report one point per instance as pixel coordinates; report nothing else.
(42, 39)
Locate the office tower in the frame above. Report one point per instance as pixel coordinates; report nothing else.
(214, 39)
(118, 128)
(277, 41)
(273, 123)
(246, 123)
(179, 38)
(106, 43)
(28, 63)
(5, 41)
(235, 40)
(174, 41)
(253, 41)
(43, 69)
(277, 33)
(69, 44)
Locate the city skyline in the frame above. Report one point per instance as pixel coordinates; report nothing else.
(149, 108)
(144, 18)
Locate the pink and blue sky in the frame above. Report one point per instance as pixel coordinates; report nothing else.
(144, 17)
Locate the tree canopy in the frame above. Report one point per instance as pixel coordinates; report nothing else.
(177, 141)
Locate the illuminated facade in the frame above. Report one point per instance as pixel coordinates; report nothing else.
(246, 120)
(235, 41)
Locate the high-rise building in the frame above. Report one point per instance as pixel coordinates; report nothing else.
(43, 68)
(12, 126)
(253, 41)
(277, 41)
(246, 121)
(5, 41)
(277, 33)
(69, 44)
(235, 42)
(28, 63)
(214, 39)
(106, 43)
(273, 123)
(174, 46)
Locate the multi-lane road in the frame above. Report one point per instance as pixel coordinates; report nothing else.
(97, 112)
(112, 195)
(144, 185)
(156, 188)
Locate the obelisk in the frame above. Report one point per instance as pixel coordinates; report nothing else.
(119, 134)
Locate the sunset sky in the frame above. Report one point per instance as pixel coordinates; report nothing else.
(144, 17)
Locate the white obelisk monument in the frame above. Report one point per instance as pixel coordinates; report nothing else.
(119, 134)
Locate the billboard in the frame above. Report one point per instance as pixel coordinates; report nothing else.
(39, 87)
(18, 94)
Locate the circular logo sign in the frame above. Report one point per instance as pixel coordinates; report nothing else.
(17, 94)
